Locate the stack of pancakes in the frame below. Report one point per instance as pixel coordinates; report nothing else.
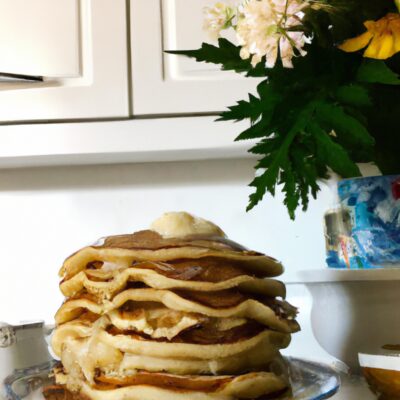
(189, 315)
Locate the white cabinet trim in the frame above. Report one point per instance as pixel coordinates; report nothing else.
(138, 140)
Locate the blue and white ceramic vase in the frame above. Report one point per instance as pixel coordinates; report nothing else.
(364, 232)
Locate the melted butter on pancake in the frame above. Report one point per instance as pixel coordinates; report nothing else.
(182, 224)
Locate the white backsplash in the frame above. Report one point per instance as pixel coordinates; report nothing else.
(48, 213)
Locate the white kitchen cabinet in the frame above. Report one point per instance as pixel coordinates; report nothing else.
(78, 46)
(113, 142)
(170, 84)
(31, 43)
(90, 95)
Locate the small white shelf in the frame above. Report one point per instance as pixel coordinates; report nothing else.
(127, 141)
(343, 275)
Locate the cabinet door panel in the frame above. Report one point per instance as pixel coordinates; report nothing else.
(40, 37)
(170, 84)
(183, 29)
(93, 83)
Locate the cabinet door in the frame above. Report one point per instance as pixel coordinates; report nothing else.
(170, 84)
(78, 47)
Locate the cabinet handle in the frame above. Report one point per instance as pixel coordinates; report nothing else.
(9, 77)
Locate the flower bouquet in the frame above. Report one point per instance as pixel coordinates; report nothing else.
(331, 96)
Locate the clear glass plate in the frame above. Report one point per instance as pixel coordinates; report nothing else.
(310, 381)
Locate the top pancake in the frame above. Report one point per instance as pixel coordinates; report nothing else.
(150, 246)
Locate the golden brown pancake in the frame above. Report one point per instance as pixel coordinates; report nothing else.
(249, 308)
(150, 246)
(106, 283)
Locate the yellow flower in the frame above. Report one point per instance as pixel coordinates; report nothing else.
(382, 38)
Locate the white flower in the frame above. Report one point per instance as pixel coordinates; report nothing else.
(217, 18)
(265, 28)
(287, 45)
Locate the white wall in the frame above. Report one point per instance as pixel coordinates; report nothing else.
(47, 213)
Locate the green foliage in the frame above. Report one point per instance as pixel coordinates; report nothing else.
(348, 130)
(305, 121)
(331, 111)
(383, 124)
(354, 95)
(376, 71)
(333, 154)
(225, 54)
(251, 109)
(278, 164)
